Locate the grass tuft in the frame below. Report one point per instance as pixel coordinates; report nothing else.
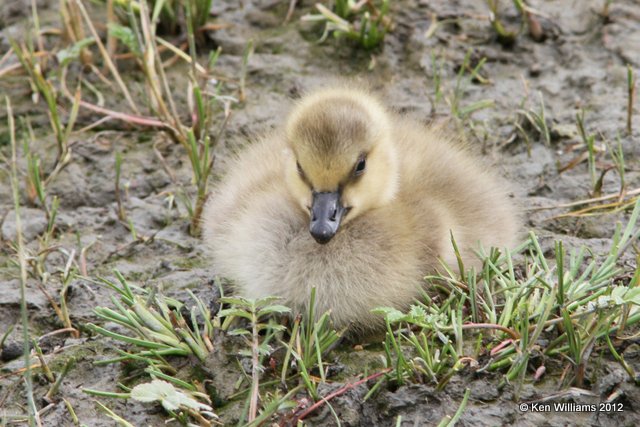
(364, 22)
(562, 312)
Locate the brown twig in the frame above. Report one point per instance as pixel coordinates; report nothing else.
(214, 27)
(6, 56)
(337, 393)
(56, 332)
(125, 117)
(156, 77)
(107, 59)
(20, 371)
(292, 8)
(586, 201)
(535, 29)
(513, 334)
(599, 209)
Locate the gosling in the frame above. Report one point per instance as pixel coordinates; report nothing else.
(356, 201)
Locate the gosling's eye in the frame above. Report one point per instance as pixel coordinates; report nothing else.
(360, 167)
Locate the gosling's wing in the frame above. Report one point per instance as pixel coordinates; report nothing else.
(258, 169)
(459, 191)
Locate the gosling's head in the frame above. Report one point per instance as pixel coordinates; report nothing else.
(343, 161)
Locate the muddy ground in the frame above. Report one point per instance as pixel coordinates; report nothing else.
(581, 63)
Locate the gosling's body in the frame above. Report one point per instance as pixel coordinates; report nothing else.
(417, 187)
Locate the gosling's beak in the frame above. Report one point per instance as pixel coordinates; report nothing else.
(326, 214)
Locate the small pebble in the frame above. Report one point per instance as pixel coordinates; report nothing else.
(11, 351)
(535, 69)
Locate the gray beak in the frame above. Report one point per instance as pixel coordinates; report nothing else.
(326, 213)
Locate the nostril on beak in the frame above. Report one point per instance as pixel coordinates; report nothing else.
(332, 218)
(326, 213)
